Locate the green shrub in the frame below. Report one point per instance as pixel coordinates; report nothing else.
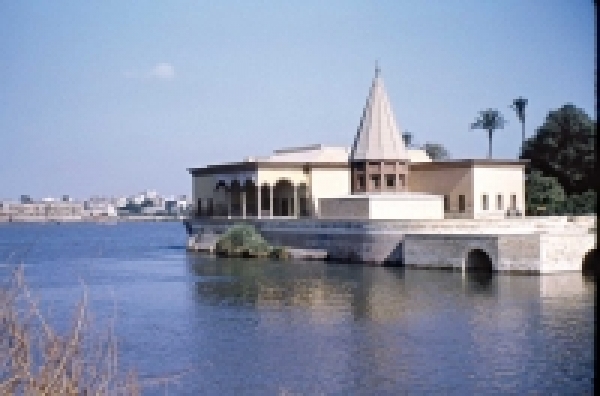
(242, 239)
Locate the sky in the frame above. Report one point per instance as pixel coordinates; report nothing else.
(113, 98)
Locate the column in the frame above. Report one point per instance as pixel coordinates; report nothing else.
(271, 201)
(243, 194)
(228, 196)
(258, 199)
(296, 202)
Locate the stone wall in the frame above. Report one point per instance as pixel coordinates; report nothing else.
(559, 252)
(515, 245)
(447, 251)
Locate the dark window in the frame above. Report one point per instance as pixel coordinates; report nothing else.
(390, 181)
(461, 204)
(361, 182)
(359, 166)
(376, 181)
(306, 169)
(484, 202)
(446, 203)
(499, 203)
(513, 201)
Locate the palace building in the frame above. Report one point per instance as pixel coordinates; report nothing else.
(378, 177)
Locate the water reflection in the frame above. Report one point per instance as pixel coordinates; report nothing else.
(360, 291)
(481, 282)
(384, 330)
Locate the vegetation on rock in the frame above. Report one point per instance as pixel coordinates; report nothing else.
(243, 240)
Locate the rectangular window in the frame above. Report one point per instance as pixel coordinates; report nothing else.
(401, 180)
(499, 203)
(390, 181)
(361, 182)
(446, 203)
(461, 204)
(376, 181)
(513, 201)
(484, 202)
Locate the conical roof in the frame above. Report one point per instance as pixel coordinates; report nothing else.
(378, 136)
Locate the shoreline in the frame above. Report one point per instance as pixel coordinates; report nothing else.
(91, 219)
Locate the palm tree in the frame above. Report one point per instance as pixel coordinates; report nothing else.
(489, 120)
(519, 105)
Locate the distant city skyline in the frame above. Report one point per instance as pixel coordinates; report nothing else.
(113, 98)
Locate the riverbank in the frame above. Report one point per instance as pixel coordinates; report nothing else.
(89, 219)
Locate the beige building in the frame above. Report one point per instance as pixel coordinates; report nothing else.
(377, 178)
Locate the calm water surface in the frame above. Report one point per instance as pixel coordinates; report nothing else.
(309, 328)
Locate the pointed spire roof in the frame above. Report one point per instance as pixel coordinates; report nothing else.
(378, 136)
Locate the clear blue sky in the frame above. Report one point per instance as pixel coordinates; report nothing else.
(115, 97)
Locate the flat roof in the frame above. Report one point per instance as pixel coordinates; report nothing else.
(250, 166)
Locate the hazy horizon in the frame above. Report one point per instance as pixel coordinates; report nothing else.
(115, 98)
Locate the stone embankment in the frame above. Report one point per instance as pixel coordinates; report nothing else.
(528, 245)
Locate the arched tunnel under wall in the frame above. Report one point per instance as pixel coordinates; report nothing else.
(589, 265)
(478, 260)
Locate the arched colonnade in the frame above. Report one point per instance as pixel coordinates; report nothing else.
(248, 199)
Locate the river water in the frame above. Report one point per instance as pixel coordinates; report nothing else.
(250, 327)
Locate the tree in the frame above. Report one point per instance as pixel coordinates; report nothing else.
(435, 151)
(579, 204)
(543, 195)
(489, 120)
(564, 148)
(519, 105)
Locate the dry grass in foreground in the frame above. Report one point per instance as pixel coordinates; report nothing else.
(35, 360)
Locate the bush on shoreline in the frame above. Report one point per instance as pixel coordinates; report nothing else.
(243, 240)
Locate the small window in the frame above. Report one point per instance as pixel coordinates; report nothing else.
(376, 181)
(484, 202)
(499, 203)
(390, 181)
(401, 180)
(361, 182)
(446, 203)
(513, 201)
(461, 203)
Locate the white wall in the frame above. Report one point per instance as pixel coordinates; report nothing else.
(504, 180)
(325, 182)
(407, 208)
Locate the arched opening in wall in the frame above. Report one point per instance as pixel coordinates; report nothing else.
(265, 198)
(218, 203)
(478, 261)
(251, 196)
(589, 266)
(235, 194)
(303, 198)
(283, 198)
